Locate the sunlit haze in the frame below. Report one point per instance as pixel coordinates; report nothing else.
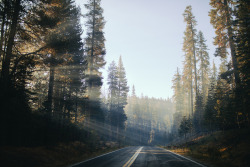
(124, 83)
(148, 35)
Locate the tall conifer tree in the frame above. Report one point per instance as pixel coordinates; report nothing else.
(221, 19)
(178, 93)
(113, 85)
(204, 69)
(63, 45)
(189, 47)
(118, 89)
(122, 85)
(95, 52)
(243, 52)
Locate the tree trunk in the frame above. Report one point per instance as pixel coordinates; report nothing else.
(195, 71)
(232, 46)
(51, 88)
(2, 33)
(69, 103)
(191, 92)
(6, 62)
(91, 68)
(76, 103)
(233, 55)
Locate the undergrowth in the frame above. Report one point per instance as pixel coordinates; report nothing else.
(61, 155)
(229, 148)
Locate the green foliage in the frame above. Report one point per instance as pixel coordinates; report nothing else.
(210, 115)
(113, 85)
(204, 69)
(221, 19)
(44, 91)
(243, 52)
(177, 118)
(190, 79)
(218, 20)
(221, 102)
(95, 52)
(185, 126)
(117, 97)
(199, 114)
(178, 92)
(122, 85)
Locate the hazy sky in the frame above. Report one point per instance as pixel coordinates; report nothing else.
(148, 34)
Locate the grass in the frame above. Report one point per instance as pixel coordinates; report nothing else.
(61, 155)
(230, 148)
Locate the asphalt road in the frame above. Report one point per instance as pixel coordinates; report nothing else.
(141, 156)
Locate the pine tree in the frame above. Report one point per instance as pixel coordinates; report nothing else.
(187, 80)
(223, 66)
(189, 47)
(199, 113)
(19, 45)
(178, 93)
(210, 114)
(201, 97)
(210, 120)
(221, 19)
(18, 41)
(204, 69)
(75, 70)
(122, 85)
(223, 101)
(214, 74)
(113, 85)
(177, 117)
(6, 61)
(243, 52)
(185, 126)
(121, 96)
(95, 51)
(242, 39)
(133, 94)
(118, 96)
(63, 48)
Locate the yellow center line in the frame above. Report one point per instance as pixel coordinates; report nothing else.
(132, 159)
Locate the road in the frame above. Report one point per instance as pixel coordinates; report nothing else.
(139, 157)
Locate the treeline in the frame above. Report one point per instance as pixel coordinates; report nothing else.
(50, 79)
(149, 120)
(206, 98)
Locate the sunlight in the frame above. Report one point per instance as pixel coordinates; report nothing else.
(68, 70)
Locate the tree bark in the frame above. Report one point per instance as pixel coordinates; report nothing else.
(195, 71)
(191, 92)
(232, 46)
(51, 88)
(92, 53)
(2, 32)
(6, 62)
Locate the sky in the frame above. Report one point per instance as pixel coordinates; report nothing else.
(148, 34)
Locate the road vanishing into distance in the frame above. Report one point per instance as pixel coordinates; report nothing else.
(139, 157)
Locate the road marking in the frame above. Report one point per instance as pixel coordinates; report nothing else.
(186, 158)
(132, 159)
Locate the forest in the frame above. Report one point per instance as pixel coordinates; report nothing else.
(51, 82)
(206, 98)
